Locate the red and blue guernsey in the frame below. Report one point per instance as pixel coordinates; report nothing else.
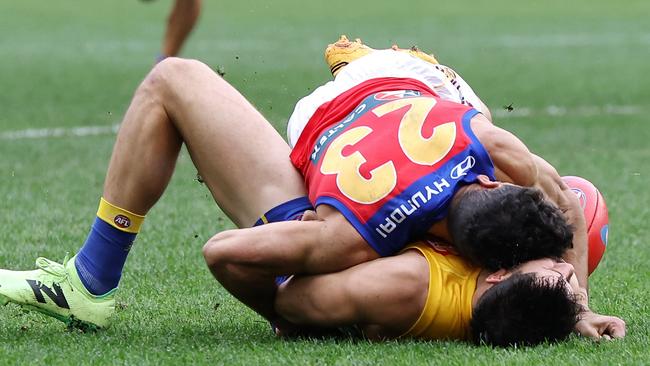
(389, 155)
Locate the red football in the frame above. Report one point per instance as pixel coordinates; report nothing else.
(595, 210)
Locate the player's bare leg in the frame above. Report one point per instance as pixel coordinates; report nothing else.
(242, 159)
(179, 100)
(181, 21)
(244, 162)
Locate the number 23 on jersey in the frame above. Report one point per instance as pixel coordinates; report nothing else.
(421, 150)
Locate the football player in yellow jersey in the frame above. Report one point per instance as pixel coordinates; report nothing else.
(393, 297)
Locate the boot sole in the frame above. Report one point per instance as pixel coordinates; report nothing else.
(71, 321)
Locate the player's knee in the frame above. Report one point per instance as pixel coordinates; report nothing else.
(171, 73)
(172, 66)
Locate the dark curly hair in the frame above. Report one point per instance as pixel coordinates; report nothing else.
(505, 226)
(524, 310)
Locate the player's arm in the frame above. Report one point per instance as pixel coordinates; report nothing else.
(293, 247)
(514, 163)
(384, 297)
(550, 182)
(246, 261)
(547, 179)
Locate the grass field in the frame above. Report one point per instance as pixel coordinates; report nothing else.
(575, 72)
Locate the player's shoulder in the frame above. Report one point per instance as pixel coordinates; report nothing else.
(413, 269)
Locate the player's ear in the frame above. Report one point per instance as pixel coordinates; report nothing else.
(485, 181)
(498, 276)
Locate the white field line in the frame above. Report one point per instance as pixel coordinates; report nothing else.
(10, 46)
(498, 113)
(570, 40)
(559, 111)
(82, 131)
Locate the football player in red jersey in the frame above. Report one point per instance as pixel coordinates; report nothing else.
(386, 159)
(184, 101)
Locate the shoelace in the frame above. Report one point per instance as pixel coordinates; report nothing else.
(53, 268)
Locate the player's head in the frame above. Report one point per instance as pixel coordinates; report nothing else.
(530, 304)
(502, 225)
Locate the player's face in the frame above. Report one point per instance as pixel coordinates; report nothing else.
(554, 268)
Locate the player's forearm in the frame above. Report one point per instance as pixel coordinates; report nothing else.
(578, 255)
(284, 248)
(271, 250)
(550, 182)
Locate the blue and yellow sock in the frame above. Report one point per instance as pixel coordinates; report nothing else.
(100, 261)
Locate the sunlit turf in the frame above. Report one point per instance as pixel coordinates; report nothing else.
(70, 64)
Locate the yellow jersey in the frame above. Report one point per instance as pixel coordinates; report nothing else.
(448, 308)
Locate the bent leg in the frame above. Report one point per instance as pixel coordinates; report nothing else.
(243, 160)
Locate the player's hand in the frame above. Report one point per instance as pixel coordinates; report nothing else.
(599, 327)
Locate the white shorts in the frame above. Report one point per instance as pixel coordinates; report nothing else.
(384, 63)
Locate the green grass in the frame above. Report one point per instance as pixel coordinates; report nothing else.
(70, 63)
